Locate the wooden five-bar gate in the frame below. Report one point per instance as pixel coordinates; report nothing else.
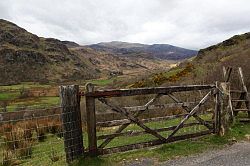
(193, 114)
(98, 144)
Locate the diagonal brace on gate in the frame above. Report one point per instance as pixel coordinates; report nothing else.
(192, 112)
(132, 119)
(123, 111)
(187, 109)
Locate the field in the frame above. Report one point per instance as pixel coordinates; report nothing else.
(44, 143)
(50, 150)
(170, 151)
(28, 95)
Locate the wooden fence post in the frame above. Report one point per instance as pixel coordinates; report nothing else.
(91, 121)
(226, 118)
(217, 116)
(71, 119)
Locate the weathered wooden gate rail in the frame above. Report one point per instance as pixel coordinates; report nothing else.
(145, 91)
(131, 114)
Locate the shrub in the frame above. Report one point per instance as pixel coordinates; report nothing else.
(41, 133)
(18, 139)
(25, 149)
(24, 93)
(55, 127)
(4, 104)
(8, 158)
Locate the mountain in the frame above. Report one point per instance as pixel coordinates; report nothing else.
(206, 67)
(155, 51)
(26, 57)
(118, 45)
(70, 44)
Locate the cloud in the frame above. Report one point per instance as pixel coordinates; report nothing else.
(4, 10)
(187, 23)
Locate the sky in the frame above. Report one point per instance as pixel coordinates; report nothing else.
(192, 24)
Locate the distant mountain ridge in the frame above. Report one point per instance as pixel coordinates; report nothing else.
(26, 57)
(155, 51)
(207, 66)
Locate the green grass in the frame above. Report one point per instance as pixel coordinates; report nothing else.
(102, 82)
(42, 151)
(120, 141)
(169, 151)
(12, 94)
(27, 85)
(8, 95)
(34, 103)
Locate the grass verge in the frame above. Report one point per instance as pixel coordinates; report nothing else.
(174, 150)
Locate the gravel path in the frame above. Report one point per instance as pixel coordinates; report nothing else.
(236, 155)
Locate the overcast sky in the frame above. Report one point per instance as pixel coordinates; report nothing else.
(192, 24)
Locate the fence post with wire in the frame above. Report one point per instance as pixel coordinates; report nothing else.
(71, 119)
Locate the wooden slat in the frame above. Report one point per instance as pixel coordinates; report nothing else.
(159, 106)
(121, 128)
(239, 104)
(127, 121)
(147, 105)
(144, 91)
(245, 89)
(151, 143)
(224, 71)
(230, 105)
(227, 75)
(244, 120)
(242, 79)
(237, 91)
(241, 109)
(192, 112)
(133, 119)
(238, 100)
(136, 133)
(186, 108)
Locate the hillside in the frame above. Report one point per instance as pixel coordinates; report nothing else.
(110, 65)
(234, 52)
(25, 57)
(155, 51)
(206, 67)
